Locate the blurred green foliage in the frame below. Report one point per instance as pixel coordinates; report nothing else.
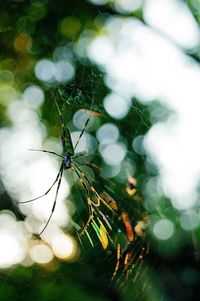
(30, 31)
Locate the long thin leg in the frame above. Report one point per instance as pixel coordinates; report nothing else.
(60, 114)
(90, 203)
(85, 188)
(63, 136)
(81, 181)
(99, 198)
(84, 154)
(91, 210)
(57, 177)
(86, 123)
(117, 263)
(54, 204)
(90, 185)
(81, 134)
(45, 151)
(104, 218)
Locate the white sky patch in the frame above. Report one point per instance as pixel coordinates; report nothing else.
(11, 251)
(122, 6)
(146, 65)
(176, 152)
(27, 174)
(174, 19)
(101, 50)
(13, 240)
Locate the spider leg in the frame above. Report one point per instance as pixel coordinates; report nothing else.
(57, 177)
(86, 123)
(81, 181)
(104, 218)
(81, 134)
(54, 204)
(84, 186)
(90, 202)
(99, 198)
(91, 210)
(65, 136)
(45, 151)
(117, 263)
(59, 112)
(90, 185)
(81, 155)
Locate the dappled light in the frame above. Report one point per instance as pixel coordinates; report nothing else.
(29, 173)
(64, 247)
(13, 239)
(99, 150)
(163, 229)
(41, 254)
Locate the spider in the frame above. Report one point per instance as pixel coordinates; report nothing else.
(67, 163)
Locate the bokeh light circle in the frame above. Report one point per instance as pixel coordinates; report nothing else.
(113, 154)
(64, 71)
(11, 251)
(116, 106)
(107, 133)
(45, 70)
(189, 220)
(41, 253)
(163, 229)
(64, 247)
(33, 96)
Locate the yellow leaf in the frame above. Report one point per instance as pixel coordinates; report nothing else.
(103, 236)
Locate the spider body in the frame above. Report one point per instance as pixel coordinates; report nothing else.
(67, 161)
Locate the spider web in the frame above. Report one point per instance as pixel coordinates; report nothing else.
(92, 165)
(100, 263)
(96, 265)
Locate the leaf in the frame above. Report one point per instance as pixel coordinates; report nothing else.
(103, 236)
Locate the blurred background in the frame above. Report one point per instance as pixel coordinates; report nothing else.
(137, 63)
